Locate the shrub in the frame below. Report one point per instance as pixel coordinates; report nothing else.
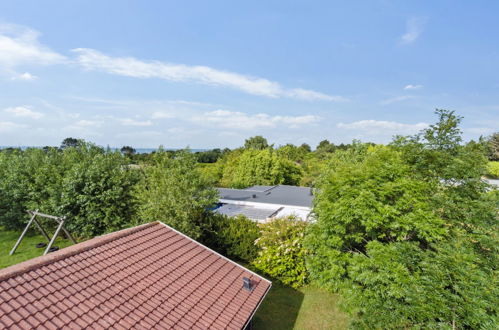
(493, 169)
(233, 237)
(282, 255)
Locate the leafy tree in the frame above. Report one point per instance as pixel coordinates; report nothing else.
(325, 146)
(292, 153)
(70, 143)
(256, 142)
(173, 192)
(494, 147)
(128, 151)
(209, 156)
(263, 167)
(306, 148)
(408, 232)
(97, 193)
(282, 254)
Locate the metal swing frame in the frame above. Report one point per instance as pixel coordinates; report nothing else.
(59, 220)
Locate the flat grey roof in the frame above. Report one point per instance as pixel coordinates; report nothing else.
(251, 212)
(281, 194)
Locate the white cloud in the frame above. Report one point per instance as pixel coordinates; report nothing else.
(19, 46)
(481, 130)
(414, 27)
(413, 87)
(381, 126)
(88, 123)
(162, 115)
(91, 59)
(8, 126)
(244, 121)
(24, 76)
(396, 99)
(24, 111)
(133, 122)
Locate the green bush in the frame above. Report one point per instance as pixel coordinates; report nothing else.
(173, 192)
(97, 195)
(282, 254)
(233, 237)
(83, 182)
(493, 169)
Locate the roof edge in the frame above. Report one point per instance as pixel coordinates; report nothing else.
(218, 254)
(36, 262)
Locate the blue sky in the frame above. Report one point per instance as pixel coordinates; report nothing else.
(211, 73)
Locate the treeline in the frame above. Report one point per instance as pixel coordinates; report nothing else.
(406, 233)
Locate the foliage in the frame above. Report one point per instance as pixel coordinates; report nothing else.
(173, 192)
(128, 151)
(325, 146)
(233, 237)
(282, 254)
(407, 233)
(292, 153)
(493, 169)
(493, 147)
(259, 167)
(71, 143)
(97, 194)
(89, 186)
(210, 156)
(256, 142)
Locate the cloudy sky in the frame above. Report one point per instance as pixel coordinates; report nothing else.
(211, 73)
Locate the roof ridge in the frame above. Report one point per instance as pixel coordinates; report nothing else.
(26, 266)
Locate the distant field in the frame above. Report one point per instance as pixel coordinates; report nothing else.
(306, 308)
(26, 250)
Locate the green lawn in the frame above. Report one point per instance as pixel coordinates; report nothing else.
(26, 250)
(305, 308)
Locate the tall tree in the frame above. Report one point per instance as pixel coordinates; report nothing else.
(408, 232)
(173, 191)
(128, 151)
(256, 142)
(70, 142)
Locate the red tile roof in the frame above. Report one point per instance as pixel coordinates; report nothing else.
(150, 276)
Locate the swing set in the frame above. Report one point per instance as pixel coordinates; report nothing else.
(60, 221)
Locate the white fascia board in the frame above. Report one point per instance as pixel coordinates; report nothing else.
(263, 205)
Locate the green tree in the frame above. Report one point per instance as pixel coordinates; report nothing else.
(70, 143)
(325, 146)
(97, 192)
(493, 141)
(173, 192)
(256, 142)
(128, 151)
(407, 232)
(263, 167)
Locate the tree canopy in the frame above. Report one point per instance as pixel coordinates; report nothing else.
(407, 232)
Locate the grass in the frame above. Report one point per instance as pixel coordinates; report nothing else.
(26, 250)
(306, 308)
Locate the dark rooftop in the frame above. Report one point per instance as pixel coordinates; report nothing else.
(281, 194)
(150, 276)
